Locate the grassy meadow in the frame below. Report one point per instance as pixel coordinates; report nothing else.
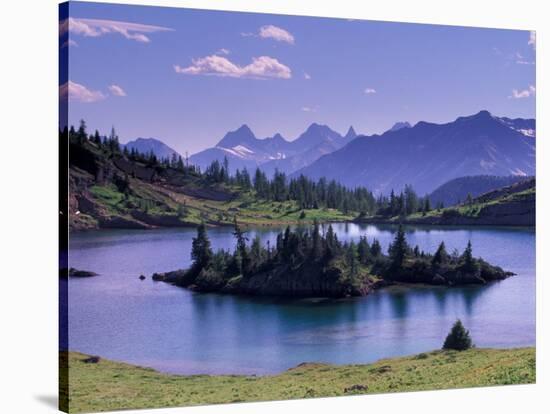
(109, 385)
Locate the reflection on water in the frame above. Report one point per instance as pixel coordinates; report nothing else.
(171, 329)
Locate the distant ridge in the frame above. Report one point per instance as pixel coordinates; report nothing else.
(428, 155)
(147, 145)
(400, 125)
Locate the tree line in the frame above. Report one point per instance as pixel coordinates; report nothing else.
(307, 193)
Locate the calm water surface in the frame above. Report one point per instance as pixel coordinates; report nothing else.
(153, 324)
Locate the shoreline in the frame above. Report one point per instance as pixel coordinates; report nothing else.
(384, 285)
(382, 222)
(101, 385)
(84, 355)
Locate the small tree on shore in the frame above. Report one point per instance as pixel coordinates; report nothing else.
(398, 249)
(201, 251)
(468, 262)
(459, 338)
(441, 256)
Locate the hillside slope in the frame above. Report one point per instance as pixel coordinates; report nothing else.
(109, 190)
(458, 189)
(513, 205)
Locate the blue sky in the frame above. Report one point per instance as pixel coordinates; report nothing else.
(189, 76)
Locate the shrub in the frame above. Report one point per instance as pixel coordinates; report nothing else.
(459, 338)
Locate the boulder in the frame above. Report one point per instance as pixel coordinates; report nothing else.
(91, 360)
(356, 388)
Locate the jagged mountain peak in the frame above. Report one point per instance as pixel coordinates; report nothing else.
(351, 134)
(316, 126)
(241, 136)
(278, 138)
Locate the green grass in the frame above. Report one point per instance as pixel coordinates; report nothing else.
(108, 195)
(110, 385)
(155, 200)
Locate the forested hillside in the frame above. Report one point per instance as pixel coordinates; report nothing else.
(115, 187)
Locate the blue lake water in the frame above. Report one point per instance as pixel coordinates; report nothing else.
(117, 316)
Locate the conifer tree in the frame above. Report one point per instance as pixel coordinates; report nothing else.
(351, 256)
(467, 259)
(458, 338)
(316, 245)
(363, 250)
(201, 250)
(441, 256)
(427, 205)
(375, 248)
(241, 247)
(398, 249)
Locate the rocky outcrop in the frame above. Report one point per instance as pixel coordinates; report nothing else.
(80, 273)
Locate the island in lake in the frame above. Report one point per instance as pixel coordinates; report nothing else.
(311, 263)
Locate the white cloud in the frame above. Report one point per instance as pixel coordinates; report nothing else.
(308, 109)
(306, 76)
(69, 42)
(79, 93)
(369, 91)
(525, 93)
(97, 28)
(117, 90)
(532, 39)
(262, 67)
(521, 60)
(276, 33)
(223, 51)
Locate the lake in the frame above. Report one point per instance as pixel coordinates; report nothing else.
(153, 324)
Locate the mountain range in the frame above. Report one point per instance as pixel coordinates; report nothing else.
(428, 155)
(425, 155)
(242, 149)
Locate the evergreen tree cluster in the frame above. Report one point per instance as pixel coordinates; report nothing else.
(294, 248)
(310, 194)
(319, 248)
(110, 145)
(403, 204)
(411, 264)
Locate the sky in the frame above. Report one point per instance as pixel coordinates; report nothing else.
(188, 76)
